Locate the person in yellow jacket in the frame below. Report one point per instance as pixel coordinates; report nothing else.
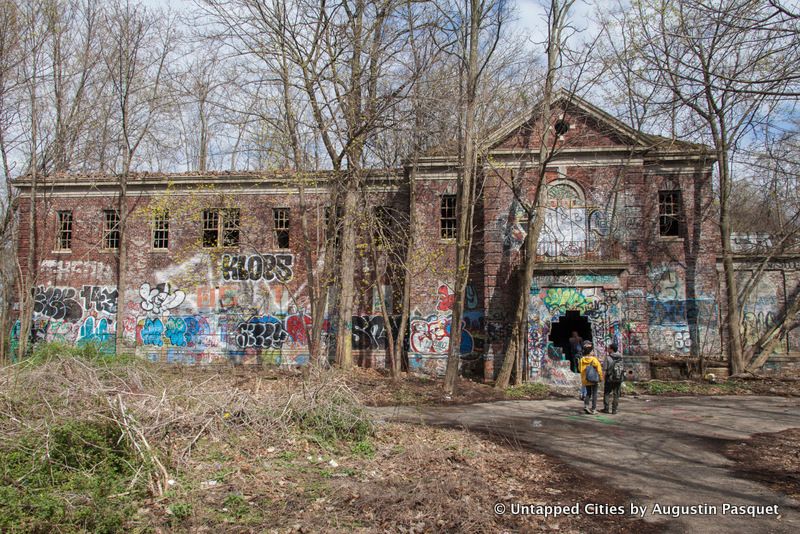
(591, 375)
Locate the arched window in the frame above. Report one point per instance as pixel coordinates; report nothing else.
(564, 231)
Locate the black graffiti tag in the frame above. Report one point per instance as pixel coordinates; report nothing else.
(269, 267)
(57, 303)
(260, 332)
(369, 332)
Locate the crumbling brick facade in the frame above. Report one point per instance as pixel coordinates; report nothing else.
(609, 263)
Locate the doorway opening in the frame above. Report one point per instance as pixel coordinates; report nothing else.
(561, 332)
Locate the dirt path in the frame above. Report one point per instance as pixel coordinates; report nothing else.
(663, 450)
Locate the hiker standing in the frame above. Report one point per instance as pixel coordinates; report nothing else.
(575, 351)
(614, 371)
(591, 375)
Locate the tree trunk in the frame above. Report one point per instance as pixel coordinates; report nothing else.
(122, 255)
(735, 349)
(344, 341)
(557, 21)
(464, 199)
(516, 346)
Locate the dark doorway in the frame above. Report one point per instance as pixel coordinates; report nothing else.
(561, 331)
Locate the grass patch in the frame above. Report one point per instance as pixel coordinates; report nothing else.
(80, 475)
(46, 352)
(528, 390)
(656, 387)
(363, 448)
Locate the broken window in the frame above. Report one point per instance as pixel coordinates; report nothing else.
(447, 220)
(221, 226)
(111, 229)
(230, 227)
(383, 224)
(210, 228)
(336, 214)
(280, 218)
(669, 214)
(64, 237)
(161, 230)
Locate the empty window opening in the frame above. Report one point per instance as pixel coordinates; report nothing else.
(221, 226)
(383, 224)
(448, 221)
(280, 218)
(111, 229)
(333, 219)
(669, 203)
(161, 230)
(64, 237)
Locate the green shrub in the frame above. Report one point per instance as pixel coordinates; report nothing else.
(79, 477)
(181, 511)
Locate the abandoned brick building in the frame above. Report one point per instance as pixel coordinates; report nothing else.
(217, 266)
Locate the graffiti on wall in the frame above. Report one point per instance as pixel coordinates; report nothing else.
(602, 308)
(369, 331)
(70, 269)
(268, 267)
(761, 309)
(511, 227)
(75, 315)
(564, 229)
(264, 332)
(429, 334)
(159, 299)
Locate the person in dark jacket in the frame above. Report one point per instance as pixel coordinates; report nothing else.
(575, 351)
(612, 387)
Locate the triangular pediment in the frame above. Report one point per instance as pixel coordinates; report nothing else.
(588, 126)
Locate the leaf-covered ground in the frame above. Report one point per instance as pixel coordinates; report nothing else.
(95, 446)
(773, 459)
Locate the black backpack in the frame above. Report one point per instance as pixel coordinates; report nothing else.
(616, 373)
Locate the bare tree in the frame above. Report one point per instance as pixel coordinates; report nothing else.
(557, 33)
(136, 62)
(479, 28)
(718, 73)
(10, 58)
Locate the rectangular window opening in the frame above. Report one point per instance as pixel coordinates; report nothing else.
(111, 229)
(669, 213)
(210, 228)
(383, 224)
(161, 230)
(448, 222)
(280, 217)
(230, 227)
(337, 214)
(64, 237)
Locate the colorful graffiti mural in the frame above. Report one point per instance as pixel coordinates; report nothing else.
(602, 308)
(75, 315)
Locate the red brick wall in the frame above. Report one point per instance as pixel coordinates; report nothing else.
(636, 288)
